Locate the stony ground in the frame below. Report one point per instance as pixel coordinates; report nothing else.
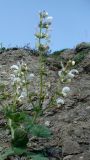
(71, 123)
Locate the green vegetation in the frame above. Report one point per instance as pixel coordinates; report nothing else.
(80, 56)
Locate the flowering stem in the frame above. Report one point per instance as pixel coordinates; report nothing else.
(40, 62)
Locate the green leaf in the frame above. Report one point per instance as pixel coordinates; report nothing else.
(18, 116)
(8, 110)
(7, 152)
(40, 131)
(19, 151)
(38, 157)
(12, 151)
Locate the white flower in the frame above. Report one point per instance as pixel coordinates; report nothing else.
(45, 13)
(74, 71)
(15, 67)
(19, 66)
(47, 123)
(59, 101)
(14, 79)
(31, 76)
(49, 19)
(65, 91)
(70, 75)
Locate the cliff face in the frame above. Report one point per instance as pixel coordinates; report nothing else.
(71, 123)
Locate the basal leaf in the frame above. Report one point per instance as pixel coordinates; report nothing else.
(19, 151)
(40, 131)
(7, 152)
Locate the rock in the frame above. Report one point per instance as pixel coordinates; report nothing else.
(53, 64)
(86, 155)
(67, 157)
(54, 152)
(45, 103)
(70, 147)
(68, 54)
(87, 68)
(81, 156)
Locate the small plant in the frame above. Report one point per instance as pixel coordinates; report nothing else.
(66, 74)
(19, 122)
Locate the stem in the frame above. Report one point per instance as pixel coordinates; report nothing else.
(40, 68)
(26, 85)
(14, 98)
(11, 128)
(35, 117)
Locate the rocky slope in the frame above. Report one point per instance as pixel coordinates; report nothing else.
(71, 123)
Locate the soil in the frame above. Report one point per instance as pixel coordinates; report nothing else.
(69, 124)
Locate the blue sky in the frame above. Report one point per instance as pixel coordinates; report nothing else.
(19, 18)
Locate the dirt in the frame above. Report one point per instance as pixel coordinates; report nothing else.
(70, 124)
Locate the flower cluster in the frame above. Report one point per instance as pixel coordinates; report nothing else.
(43, 31)
(20, 78)
(65, 75)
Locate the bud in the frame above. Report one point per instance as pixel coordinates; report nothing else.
(43, 14)
(73, 63)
